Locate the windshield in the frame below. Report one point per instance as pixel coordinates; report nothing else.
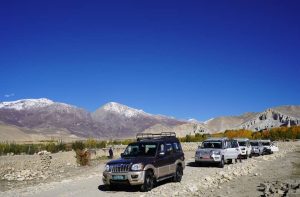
(242, 143)
(266, 143)
(140, 149)
(212, 144)
(254, 143)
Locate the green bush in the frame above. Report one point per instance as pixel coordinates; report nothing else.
(78, 145)
(30, 149)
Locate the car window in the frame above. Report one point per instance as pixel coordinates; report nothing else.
(162, 148)
(254, 143)
(140, 149)
(212, 144)
(234, 144)
(176, 147)
(266, 143)
(169, 148)
(228, 144)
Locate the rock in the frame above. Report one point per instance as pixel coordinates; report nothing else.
(280, 192)
(20, 179)
(272, 189)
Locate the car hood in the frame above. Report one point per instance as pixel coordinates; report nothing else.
(131, 160)
(208, 150)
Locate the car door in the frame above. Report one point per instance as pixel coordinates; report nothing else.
(170, 157)
(227, 147)
(235, 149)
(162, 161)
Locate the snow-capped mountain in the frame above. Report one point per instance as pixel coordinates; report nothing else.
(123, 110)
(25, 104)
(47, 117)
(122, 120)
(207, 121)
(193, 120)
(112, 120)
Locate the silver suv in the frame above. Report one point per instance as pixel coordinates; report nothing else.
(217, 150)
(257, 147)
(245, 147)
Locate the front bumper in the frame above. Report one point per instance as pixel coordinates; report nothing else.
(243, 152)
(131, 178)
(210, 159)
(255, 151)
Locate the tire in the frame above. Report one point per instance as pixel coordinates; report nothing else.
(246, 156)
(178, 174)
(110, 187)
(222, 163)
(250, 156)
(148, 182)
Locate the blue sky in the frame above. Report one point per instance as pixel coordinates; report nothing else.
(187, 59)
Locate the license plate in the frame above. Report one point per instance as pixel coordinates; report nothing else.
(118, 177)
(206, 157)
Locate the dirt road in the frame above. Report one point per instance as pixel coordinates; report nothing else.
(239, 179)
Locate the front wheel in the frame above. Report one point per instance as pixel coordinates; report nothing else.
(178, 174)
(148, 182)
(222, 163)
(110, 187)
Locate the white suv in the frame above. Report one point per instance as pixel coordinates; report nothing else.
(217, 150)
(245, 147)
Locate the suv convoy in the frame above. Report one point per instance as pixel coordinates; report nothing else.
(257, 147)
(152, 158)
(217, 150)
(245, 147)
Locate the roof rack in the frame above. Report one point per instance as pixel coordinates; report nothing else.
(143, 136)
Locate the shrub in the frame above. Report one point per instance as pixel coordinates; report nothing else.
(78, 145)
(83, 157)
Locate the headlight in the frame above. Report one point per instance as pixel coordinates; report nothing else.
(215, 152)
(106, 168)
(136, 167)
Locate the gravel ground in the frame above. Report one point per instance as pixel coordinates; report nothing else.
(239, 179)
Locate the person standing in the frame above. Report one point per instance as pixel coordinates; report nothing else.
(111, 153)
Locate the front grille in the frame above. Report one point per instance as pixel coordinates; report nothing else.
(118, 168)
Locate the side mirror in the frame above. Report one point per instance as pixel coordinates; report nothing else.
(122, 154)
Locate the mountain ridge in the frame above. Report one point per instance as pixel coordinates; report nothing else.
(114, 120)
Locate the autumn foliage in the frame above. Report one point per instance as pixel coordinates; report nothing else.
(281, 133)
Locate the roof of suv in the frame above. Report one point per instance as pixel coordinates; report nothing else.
(216, 139)
(265, 140)
(241, 139)
(156, 137)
